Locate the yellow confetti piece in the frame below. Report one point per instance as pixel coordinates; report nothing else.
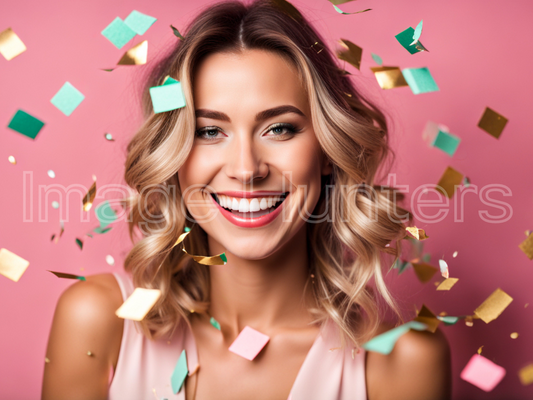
(493, 306)
(480, 350)
(137, 55)
(352, 53)
(138, 304)
(11, 265)
(389, 77)
(89, 197)
(527, 247)
(447, 284)
(424, 271)
(219, 259)
(449, 180)
(419, 234)
(526, 375)
(90, 354)
(492, 122)
(12, 160)
(514, 335)
(10, 44)
(46, 360)
(317, 47)
(427, 317)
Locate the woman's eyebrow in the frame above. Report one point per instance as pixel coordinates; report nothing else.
(260, 116)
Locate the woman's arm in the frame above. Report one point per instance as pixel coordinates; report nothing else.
(84, 321)
(419, 368)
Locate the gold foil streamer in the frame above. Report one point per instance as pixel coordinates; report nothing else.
(493, 306)
(288, 9)
(389, 77)
(424, 271)
(352, 54)
(67, 276)
(526, 375)
(12, 160)
(419, 234)
(219, 259)
(11, 265)
(10, 44)
(527, 247)
(137, 55)
(89, 197)
(447, 284)
(427, 317)
(449, 180)
(492, 122)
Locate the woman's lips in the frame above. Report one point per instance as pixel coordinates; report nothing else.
(250, 222)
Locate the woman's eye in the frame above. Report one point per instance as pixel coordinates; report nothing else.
(207, 133)
(283, 129)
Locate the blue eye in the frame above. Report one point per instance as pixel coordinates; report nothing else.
(282, 129)
(209, 132)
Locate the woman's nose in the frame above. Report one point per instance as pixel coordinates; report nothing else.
(245, 161)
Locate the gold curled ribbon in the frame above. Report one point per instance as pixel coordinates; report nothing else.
(219, 259)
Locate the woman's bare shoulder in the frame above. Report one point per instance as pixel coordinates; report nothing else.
(419, 367)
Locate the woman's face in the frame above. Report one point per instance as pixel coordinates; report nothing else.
(253, 175)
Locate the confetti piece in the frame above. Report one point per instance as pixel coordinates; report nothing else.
(90, 354)
(400, 265)
(11, 265)
(118, 33)
(10, 44)
(105, 214)
(420, 80)
(100, 231)
(526, 375)
(46, 360)
(447, 284)
(493, 306)
(337, 2)
(436, 135)
(426, 258)
(352, 53)
(449, 181)
(137, 55)
(385, 342)
(67, 99)
(110, 260)
(417, 32)
(215, 323)
(176, 32)
(55, 204)
(466, 181)
(55, 238)
(455, 254)
(24, 123)
(139, 22)
(180, 373)
(138, 304)
(187, 229)
(405, 38)
(167, 97)
(348, 13)
(89, 197)
(67, 276)
(12, 160)
(527, 247)
(425, 316)
(51, 174)
(318, 47)
(448, 320)
(469, 321)
(79, 242)
(480, 350)
(389, 77)
(249, 343)
(492, 122)
(424, 271)
(514, 335)
(483, 373)
(443, 265)
(377, 59)
(288, 9)
(109, 137)
(219, 259)
(419, 234)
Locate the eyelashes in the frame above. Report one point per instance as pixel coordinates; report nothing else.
(287, 131)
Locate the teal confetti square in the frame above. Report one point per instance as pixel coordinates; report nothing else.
(420, 80)
(406, 38)
(105, 214)
(24, 123)
(139, 22)
(446, 142)
(67, 99)
(118, 33)
(180, 373)
(167, 97)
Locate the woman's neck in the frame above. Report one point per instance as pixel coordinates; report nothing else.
(264, 294)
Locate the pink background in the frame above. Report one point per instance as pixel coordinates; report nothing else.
(479, 56)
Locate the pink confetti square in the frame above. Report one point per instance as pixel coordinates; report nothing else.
(249, 343)
(482, 373)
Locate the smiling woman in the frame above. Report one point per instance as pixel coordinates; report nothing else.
(273, 161)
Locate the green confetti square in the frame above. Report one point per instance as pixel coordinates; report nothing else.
(139, 22)
(105, 214)
(167, 97)
(24, 123)
(420, 80)
(215, 323)
(67, 99)
(180, 373)
(118, 33)
(406, 38)
(446, 142)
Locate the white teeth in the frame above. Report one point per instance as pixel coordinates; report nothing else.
(248, 205)
(263, 205)
(235, 204)
(269, 203)
(254, 205)
(244, 206)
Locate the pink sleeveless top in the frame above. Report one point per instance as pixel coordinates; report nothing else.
(145, 366)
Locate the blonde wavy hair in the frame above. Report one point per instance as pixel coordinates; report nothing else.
(345, 253)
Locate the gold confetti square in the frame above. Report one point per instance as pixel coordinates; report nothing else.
(138, 304)
(447, 284)
(492, 122)
(424, 271)
(527, 247)
(493, 306)
(11, 265)
(137, 55)
(352, 54)
(389, 77)
(449, 180)
(427, 317)
(10, 44)
(526, 375)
